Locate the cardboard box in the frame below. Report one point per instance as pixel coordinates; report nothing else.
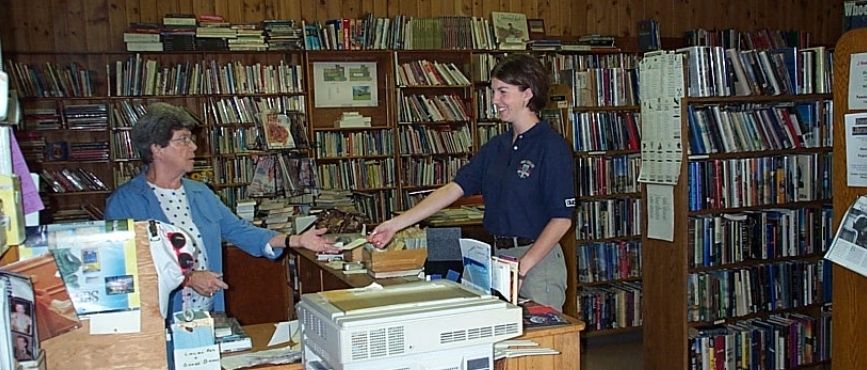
(402, 260)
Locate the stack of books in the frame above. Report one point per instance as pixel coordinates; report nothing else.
(352, 119)
(229, 334)
(283, 34)
(143, 37)
(213, 32)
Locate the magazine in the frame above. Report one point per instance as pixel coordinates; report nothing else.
(278, 131)
(52, 304)
(849, 247)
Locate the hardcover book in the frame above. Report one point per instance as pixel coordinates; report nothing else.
(510, 30)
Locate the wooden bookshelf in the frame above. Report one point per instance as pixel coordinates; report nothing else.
(849, 329)
(669, 271)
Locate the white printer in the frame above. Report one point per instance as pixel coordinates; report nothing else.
(426, 325)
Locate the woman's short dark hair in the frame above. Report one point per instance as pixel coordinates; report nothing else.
(158, 126)
(526, 72)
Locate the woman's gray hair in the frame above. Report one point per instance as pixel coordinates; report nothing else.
(157, 127)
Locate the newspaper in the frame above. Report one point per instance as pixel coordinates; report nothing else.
(849, 247)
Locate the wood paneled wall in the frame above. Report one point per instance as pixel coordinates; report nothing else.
(97, 25)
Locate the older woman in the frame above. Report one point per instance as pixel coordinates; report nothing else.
(167, 147)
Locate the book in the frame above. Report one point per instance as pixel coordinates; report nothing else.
(278, 131)
(53, 305)
(510, 30)
(536, 315)
(229, 334)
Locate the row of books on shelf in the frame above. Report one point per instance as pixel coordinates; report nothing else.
(399, 32)
(71, 151)
(122, 147)
(426, 73)
(86, 116)
(558, 62)
(488, 130)
(615, 306)
(604, 175)
(608, 218)
(140, 76)
(51, 79)
(786, 341)
(419, 139)
(124, 171)
(714, 71)
(732, 293)
(73, 180)
(42, 118)
(437, 108)
(602, 87)
(718, 240)
(608, 261)
(763, 39)
(758, 181)
(377, 206)
(430, 171)
(74, 116)
(333, 144)
(604, 131)
(236, 170)
(755, 127)
(358, 174)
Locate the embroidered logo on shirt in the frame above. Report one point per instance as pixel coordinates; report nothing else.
(525, 168)
(570, 203)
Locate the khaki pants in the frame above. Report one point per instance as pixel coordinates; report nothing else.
(546, 282)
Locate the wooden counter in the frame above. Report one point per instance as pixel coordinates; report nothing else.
(564, 338)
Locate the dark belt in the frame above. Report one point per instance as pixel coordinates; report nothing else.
(506, 242)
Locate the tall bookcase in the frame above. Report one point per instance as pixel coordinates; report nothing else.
(604, 131)
(751, 221)
(225, 91)
(435, 122)
(850, 289)
(360, 159)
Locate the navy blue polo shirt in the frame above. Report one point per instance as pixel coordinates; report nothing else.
(524, 184)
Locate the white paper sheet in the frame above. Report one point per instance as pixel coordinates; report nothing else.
(660, 212)
(856, 149)
(858, 81)
(849, 247)
(284, 332)
(122, 322)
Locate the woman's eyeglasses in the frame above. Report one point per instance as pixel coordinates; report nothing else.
(185, 140)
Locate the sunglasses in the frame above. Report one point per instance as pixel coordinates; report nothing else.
(179, 241)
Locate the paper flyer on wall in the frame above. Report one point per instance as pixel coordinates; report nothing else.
(97, 261)
(849, 247)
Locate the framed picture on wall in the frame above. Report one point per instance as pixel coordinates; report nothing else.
(345, 84)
